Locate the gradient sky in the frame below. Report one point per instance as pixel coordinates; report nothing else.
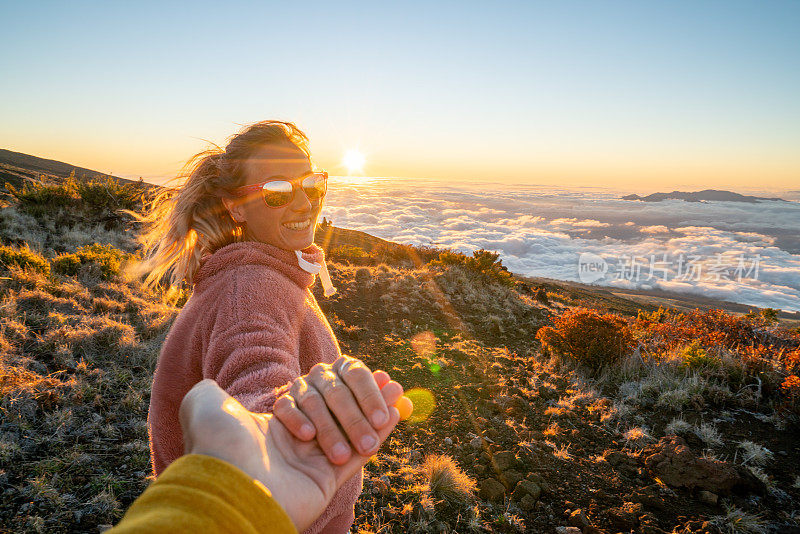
(637, 94)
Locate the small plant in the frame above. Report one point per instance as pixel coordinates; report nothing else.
(678, 427)
(588, 337)
(695, 357)
(105, 257)
(446, 480)
(736, 521)
(482, 261)
(755, 454)
(709, 435)
(40, 198)
(636, 437)
(24, 258)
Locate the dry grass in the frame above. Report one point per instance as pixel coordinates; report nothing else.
(736, 521)
(446, 480)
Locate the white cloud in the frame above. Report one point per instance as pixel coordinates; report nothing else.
(538, 232)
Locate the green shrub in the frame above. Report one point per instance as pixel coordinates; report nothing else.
(24, 258)
(72, 200)
(349, 254)
(40, 199)
(695, 357)
(763, 316)
(106, 196)
(106, 258)
(482, 261)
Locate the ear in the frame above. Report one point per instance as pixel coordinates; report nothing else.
(235, 209)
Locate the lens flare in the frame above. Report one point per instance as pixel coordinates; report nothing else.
(424, 404)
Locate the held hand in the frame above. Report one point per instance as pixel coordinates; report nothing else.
(297, 473)
(344, 395)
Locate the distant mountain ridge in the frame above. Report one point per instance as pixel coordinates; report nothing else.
(701, 196)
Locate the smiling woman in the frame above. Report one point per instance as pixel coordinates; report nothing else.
(240, 232)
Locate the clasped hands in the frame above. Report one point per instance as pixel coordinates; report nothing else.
(341, 404)
(279, 449)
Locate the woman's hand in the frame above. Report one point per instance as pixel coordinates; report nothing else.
(336, 400)
(298, 474)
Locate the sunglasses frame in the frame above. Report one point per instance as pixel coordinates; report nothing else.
(296, 184)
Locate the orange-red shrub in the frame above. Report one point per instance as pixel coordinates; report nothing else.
(588, 337)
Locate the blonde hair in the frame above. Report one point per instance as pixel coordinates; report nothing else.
(184, 223)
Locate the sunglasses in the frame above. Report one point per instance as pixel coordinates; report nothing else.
(278, 193)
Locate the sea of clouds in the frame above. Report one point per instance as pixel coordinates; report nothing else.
(741, 252)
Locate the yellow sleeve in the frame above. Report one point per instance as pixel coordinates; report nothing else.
(198, 494)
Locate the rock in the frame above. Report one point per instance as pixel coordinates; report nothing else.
(650, 496)
(578, 519)
(615, 458)
(491, 490)
(537, 479)
(649, 524)
(504, 460)
(709, 497)
(675, 464)
(624, 517)
(527, 503)
(380, 487)
(414, 455)
(448, 441)
(476, 443)
(526, 487)
(568, 530)
(512, 478)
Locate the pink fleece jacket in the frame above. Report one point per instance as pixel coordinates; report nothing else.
(253, 325)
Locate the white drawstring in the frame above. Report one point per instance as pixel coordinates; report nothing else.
(321, 270)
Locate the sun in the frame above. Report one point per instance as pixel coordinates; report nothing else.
(354, 161)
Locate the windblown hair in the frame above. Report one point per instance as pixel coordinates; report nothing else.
(184, 223)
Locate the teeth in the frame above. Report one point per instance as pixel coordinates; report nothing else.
(298, 225)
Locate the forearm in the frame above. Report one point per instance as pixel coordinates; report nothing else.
(199, 493)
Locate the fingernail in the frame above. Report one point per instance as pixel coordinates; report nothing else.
(379, 418)
(307, 430)
(340, 450)
(368, 443)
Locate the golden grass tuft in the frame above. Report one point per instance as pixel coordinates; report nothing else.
(446, 480)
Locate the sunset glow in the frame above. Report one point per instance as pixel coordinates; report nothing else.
(354, 161)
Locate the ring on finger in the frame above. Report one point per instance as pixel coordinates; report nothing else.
(345, 366)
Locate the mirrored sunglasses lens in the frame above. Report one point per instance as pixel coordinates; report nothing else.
(315, 186)
(277, 193)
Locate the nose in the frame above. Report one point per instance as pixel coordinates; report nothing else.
(300, 202)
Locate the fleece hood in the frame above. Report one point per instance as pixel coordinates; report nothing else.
(286, 262)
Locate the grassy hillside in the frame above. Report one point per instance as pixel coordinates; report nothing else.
(537, 407)
(15, 167)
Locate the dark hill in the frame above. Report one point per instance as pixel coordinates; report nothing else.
(15, 167)
(701, 196)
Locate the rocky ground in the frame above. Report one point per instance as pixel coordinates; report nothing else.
(542, 442)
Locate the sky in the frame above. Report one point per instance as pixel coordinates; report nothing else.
(645, 96)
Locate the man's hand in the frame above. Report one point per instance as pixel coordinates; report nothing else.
(298, 473)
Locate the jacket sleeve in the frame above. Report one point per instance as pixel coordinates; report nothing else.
(199, 493)
(253, 353)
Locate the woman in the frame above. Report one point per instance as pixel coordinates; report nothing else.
(240, 231)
